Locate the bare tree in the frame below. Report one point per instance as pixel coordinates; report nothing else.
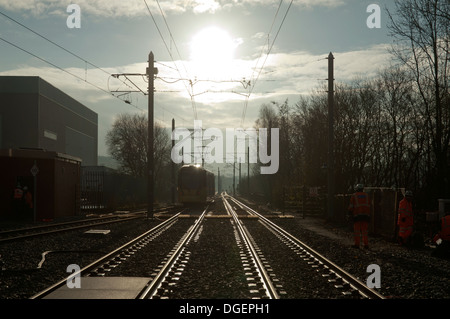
(268, 119)
(311, 129)
(127, 144)
(421, 28)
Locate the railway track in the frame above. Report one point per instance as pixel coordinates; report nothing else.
(256, 262)
(53, 228)
(103, 265)
(337, 277)
(189, 270)
(42, 230)
(169, 271)
(260, 284)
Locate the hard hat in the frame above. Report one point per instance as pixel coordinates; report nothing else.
(359, 187)
(408, 193)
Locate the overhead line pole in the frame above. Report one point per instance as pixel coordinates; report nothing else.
(330, 163)
(172, 166)
(151, 72)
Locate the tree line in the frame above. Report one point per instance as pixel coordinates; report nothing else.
(392, 130)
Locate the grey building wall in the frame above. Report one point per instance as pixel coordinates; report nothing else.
(35, 114)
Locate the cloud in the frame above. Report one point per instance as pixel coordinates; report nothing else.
(202, 6)
(221, 104)
(102, 8)
(283, 73)
(366, 62)
(321, 3)
(120, 8)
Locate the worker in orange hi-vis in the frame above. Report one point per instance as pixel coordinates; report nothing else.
(359, 211)
(405, 219)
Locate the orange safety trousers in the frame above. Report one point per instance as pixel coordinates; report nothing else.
(404, 232)
(405, 220)
(361, 229)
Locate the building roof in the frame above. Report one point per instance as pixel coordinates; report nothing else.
(37, 85)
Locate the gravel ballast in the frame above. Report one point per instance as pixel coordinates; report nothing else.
(405, 273)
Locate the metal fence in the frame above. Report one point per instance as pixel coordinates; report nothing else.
(384, 206)
(309, 200)
(104, 189)
(312, 201)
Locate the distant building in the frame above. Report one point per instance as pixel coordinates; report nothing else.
(34, 114)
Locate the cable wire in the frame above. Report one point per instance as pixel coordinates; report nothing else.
(267, 55)
(109, 92)
(191, 93)
(64, 70)
(171, 56)
(59, 46)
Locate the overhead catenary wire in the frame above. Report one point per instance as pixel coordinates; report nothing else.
(173, 39)
(257, 62)
(191, 92)
(267, 55)
(194, 106)
(184, 79)
(86, 63)
(59, 46)
(52, 42)
(64, 70)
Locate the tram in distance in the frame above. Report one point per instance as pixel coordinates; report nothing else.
(195, 185)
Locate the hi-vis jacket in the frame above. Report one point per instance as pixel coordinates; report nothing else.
(359, 204)
(18, 193)
(405, 213)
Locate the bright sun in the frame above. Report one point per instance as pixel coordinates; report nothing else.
(212, 51)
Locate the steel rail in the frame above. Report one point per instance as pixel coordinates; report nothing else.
(153, 286)
(354, 282)
(267, 282)
(82, 224)
(100, 261)
(88, 221)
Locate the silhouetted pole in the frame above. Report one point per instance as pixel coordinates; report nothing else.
(234, 179)
(240, 185)
(218, 180)
(330, 206)
(173, 166)
(151, 72)
(248, 170)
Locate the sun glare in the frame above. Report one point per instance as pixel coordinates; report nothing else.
(212, 51)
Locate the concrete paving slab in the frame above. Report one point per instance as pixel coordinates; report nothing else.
(102, 288)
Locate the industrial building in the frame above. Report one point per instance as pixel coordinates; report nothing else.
(35, 114)
(45, 137)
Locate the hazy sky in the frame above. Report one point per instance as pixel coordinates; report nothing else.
(211, 54)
